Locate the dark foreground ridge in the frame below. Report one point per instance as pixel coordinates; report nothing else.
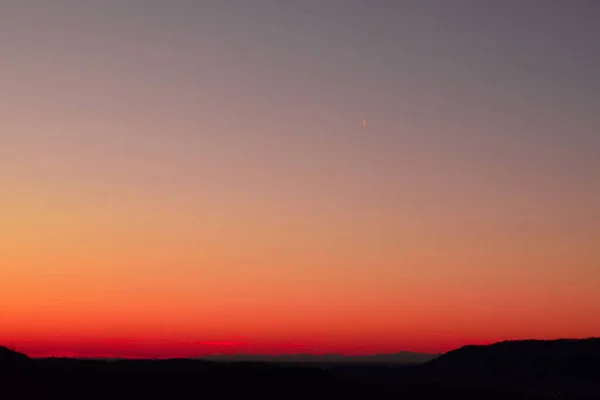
(506, 370)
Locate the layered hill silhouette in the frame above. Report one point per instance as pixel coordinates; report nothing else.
(506, 370)
(403, 357)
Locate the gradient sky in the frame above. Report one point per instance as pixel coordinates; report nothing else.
(189, 177)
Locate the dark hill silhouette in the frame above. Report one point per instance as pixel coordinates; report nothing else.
(9, 358)
(541, 366)
(506, 370)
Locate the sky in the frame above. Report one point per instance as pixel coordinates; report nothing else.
(181, 178)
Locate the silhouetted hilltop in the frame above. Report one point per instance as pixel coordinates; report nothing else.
(10, 357)
(564, 365)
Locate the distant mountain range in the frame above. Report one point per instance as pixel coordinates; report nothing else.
(404, 357)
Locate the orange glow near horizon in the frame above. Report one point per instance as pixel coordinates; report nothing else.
(160, 348)
(92, 283)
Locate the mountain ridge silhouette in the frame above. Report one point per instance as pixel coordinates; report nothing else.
(554, 366)
(565, 368)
